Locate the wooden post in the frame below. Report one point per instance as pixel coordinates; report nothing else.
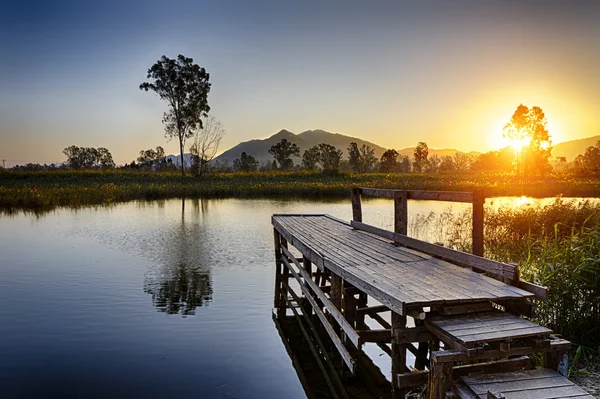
(401, 212)
(478, 201)
(356, 206)
(285, 276)
(278, 266)
(350, 305)
(308, 266)
(440, 378)
(398, 353)
(360, 317)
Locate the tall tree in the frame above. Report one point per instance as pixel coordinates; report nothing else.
(354, 157)
(389, 161)
(331, 157)
(311, 158)
(420, 157)
(184, 86)
(245, 163)
(527, 129)
(367, 158)
(206, 143)
(283, 151)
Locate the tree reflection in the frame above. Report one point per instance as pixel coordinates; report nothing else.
(182, 282)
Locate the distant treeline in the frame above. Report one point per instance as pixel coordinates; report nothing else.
(329, 159)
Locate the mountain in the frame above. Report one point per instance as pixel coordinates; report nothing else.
(259, 149)
(570, 149)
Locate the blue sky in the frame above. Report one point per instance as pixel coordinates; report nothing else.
(446, 72)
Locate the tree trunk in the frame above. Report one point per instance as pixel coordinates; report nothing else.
(181, 156)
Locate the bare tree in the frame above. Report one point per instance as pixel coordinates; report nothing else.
(206, 143)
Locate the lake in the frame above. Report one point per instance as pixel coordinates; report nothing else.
(153, 299)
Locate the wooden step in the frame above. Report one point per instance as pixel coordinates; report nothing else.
(526, 384)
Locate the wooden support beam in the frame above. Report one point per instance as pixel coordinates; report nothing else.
(278, 266)
(384, 336)
(478, 202)
(380, 320)
(329, 305)
(360, 318)
(356, 205)
(400, 212)
(398, 353)
(414, 334)
(440, 380)
(504, 365)
(462, 309)
(345, 355)
(413, 379)
(350, 305)
(373, 309)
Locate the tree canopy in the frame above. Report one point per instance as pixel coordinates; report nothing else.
(184, 86)
(527, 130)
(283, 152)
(88, 157)
(420, 157)
(245, 163)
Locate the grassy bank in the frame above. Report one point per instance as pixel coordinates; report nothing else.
(51, 189)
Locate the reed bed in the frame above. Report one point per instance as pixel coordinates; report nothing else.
(47, 190)
(556, 245)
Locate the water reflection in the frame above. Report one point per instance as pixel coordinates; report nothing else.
(182, 282)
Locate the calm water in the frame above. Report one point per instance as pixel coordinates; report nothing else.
(150, 299)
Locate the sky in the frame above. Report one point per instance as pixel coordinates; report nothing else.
(449, 73)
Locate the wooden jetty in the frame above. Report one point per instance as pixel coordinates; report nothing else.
(461, 315)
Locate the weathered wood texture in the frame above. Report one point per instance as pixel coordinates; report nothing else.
(470, 330)
(397, 277)
(527, 384)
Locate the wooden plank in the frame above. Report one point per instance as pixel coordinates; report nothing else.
(462, 286)
(504, 365)
(335, 313)
(461, 258)
(414, 334)
(413, 379)
(450, 196)
(521, 385)
(509, 376)
(371, 289)
(334, 337)
(462, 309)
(550, 393)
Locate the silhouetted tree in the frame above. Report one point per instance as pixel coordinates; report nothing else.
(462, 161)
(433, 164)
(447, 164)
(354, 157)
(88, 157)
(206, 143)
(245, 163)
(528, 127)
(388, 161)
(151, 157)
(311, 158)
(283, 151)
(420, 157)
(367, 158)
(588, 163)
(403, 164)
(330, 157)
(184, 86)
(500, 160)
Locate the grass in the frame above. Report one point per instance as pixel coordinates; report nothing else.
(47, 190)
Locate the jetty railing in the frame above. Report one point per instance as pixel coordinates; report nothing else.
(401, 198)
